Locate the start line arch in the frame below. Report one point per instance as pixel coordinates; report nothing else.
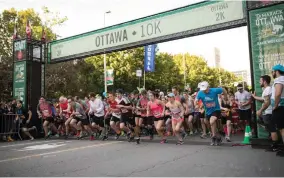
(265, 21)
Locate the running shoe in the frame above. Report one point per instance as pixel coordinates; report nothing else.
(130, 139)
(203, 136)
(228, 139)
(128, 135)
(213, 141)
(180, 143)
(151, 137)
(190, 133)
(218, 141)
(78, 133)
(117, 136)
(92, 137)
(137, 141)
(183, 135)
(272, 148)
(104, 138)
(164, 141)
(280, 153)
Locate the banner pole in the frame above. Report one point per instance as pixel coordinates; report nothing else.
(144, 78)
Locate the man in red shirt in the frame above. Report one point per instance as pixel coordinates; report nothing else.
(45, 112)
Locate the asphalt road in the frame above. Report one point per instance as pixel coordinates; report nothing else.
(57, 157)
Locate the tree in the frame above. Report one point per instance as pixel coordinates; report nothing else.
(9, 19)
(197, 70)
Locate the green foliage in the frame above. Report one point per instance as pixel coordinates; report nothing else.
(87, 75)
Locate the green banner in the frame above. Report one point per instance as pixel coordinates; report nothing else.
(109, 77)
(267, 42)
(19, 83)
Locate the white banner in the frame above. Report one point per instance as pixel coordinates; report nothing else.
(164, 26)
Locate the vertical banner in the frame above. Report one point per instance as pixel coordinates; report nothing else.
(149, 58)
(19, 83)
(267, 43)
(109, 77)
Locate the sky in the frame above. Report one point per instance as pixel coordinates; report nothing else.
(88, 15)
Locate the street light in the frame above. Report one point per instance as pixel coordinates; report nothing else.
(107, 12)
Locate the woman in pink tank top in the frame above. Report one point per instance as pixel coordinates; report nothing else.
(157, 108)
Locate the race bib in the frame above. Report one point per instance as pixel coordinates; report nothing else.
(157, 114)
(45, 113)
(124, 110)
(210, 105)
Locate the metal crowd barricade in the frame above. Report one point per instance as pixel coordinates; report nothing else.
(9, 125)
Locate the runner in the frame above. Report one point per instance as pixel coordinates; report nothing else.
(177, 113)
(243, 98)
(141, 111)
(65, 112)
(157, 108)
(96, 114)
(226, 116)
(175, 92)
(235, 115)
(45, 112)
(79, 118)
(115, 114)
(209, 98)
(189, 112)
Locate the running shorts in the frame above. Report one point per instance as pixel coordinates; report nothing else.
(49, 119)
(84, 121)
(114, 119)
(215, 113)
(97, 120)
(226, 118)
(245, 115)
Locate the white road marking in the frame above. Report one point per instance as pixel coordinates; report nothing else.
(60, 151)
(48, 156)
(27, 143)
(43, 146)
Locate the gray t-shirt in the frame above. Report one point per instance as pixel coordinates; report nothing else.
(80, 110)
(243, 97)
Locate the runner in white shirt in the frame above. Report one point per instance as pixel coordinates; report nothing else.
(243, 99)
(97, 113)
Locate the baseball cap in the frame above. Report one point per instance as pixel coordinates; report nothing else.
(278, 67)
(203, 85)
(171, 95)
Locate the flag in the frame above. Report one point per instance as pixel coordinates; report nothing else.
(28, 29)
(43, 34)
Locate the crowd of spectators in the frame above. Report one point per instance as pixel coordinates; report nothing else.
(15, 119)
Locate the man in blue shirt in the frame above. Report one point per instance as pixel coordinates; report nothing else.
(209, 98)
